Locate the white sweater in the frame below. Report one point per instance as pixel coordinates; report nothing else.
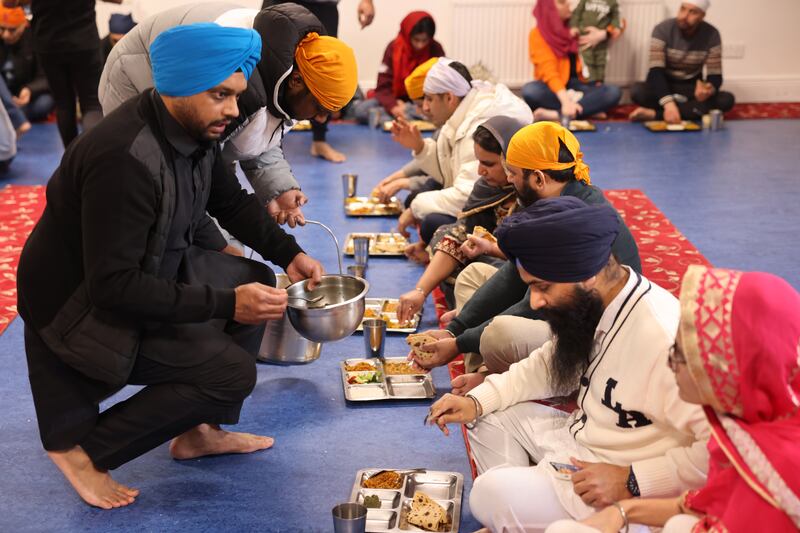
(629, 412)
(450, 159)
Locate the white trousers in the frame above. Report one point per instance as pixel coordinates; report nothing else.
(509, 495)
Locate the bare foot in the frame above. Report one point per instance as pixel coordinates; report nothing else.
(417, 253)
(327, 152)
(24, 128)
(207, 439)
(94, 486)
(641, 114)
(541, 113)
(600, 116)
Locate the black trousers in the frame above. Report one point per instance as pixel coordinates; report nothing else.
(74, 75)
(193, 374)
(328, 15)
(431, 223)
(643, 96)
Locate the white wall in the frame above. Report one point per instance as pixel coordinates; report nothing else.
(760, 64)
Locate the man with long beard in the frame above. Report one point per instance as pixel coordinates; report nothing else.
(495, 325)
(630, 434)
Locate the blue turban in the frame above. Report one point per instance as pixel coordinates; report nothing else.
(191, 59)
(561, 240)
(120, 24)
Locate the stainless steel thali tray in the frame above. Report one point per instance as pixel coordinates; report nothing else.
(444, 488)
(381, 244)
(361, 206)
(386, 308)
(376, 384)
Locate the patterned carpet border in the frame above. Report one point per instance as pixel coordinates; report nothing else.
(20, 209)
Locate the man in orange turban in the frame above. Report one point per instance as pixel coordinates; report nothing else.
(302, 75)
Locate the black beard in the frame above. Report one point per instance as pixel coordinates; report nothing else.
(527, 196)
(573, 325)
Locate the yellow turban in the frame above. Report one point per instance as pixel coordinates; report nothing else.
(328, 67)
(536, 147)
(416, 79)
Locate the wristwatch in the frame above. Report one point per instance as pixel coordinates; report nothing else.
(633, 485)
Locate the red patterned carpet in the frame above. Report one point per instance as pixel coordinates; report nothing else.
(20, 208)
(739, 111)
(665, 254)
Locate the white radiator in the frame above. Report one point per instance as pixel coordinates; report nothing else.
(495, 33)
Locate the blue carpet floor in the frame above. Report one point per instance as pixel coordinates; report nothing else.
(733, 193)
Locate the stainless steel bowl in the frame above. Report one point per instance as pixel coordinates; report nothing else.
(341, 315)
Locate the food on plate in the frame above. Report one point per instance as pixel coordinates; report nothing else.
(388, 479)
(417, 341)
(361, 366)
(362, 378)
(483, 233)
(402, 367)
(426, 513)
(393, 323)
(370, 312)
(390, 306)
(372, 501)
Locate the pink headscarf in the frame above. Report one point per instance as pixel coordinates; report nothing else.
(554, 30)
(740, 333)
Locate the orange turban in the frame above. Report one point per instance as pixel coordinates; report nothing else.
(416, 79)
(536, 147)
(12, 16)
(328, 67)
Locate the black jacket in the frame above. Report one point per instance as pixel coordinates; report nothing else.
(105, 215)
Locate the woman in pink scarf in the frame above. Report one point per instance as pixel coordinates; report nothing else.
(738, 354)
(558, 89)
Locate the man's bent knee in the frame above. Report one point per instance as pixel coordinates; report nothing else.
(509, 339)
(233, 377)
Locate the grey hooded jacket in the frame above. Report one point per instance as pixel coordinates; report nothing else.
(255, 137)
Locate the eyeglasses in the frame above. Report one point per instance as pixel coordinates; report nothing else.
(675, 357)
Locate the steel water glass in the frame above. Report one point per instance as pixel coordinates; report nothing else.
(349, 518)
(374, 337)
(361, 250)
(716, 119)
(349, 184)
(356, 270)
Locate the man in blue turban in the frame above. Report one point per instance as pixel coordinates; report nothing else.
(630, 433)
(140, 294)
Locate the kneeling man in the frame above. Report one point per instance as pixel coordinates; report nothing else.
(630, 434)
(114, 289)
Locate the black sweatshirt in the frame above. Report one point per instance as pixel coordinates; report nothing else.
(102, 203)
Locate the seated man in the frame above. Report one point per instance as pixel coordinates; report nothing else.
(8, 141)
(457, 105)
(133, 299)
(631, 434)
(25, 92)
(118, 26)
(544, 161)
(679, 49)
(303, 74)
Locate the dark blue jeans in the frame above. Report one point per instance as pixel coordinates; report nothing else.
(431, 223)
(596, 98)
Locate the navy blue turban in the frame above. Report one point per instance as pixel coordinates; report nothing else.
(191, 59)
(120, 24)
(562, 240)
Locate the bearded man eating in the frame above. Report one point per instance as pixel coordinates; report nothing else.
(630, 434)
